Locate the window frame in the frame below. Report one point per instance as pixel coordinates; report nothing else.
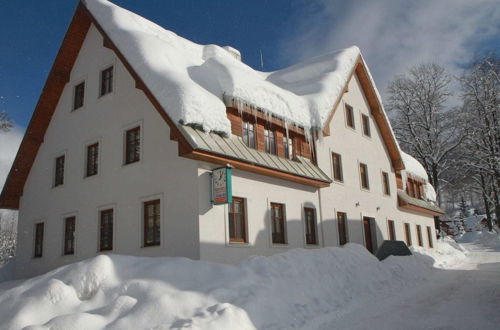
(102, 211)
(69, 249)
(87, 160)
(59, 171)
(340, 168)
(138, 154)
(365, 125)
(283, 237)
(76, 94)
(288, 147)
(157, 223)
(232, 239)
(349, 116)
(391, 230)
(408, 238)
(364, 176)
(420, 240)
(38, 239)
(109, 89)
(429, 237)
(313, 227)
(247, 127)
(345, 232)
(270, 141)
(386, 188)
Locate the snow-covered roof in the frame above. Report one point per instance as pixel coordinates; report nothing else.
(190, 80)
(413, 167)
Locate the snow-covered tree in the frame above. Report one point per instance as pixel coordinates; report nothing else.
(424, 124)
(8, 235)
(5, 122)
(481, 96)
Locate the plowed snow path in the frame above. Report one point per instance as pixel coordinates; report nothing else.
(465, 297)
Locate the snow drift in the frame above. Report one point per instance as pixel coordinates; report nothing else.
(279, 292)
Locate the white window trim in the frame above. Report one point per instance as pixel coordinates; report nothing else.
(99, 157)
(103, 208)
(125, 128)
(113, 82)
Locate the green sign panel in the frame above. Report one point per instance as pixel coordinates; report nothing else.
(222, 186)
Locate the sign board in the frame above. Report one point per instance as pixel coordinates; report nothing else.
(222, 186)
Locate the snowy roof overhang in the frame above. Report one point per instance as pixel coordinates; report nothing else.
(418, 205)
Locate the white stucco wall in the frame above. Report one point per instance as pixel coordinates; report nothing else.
(161, 173)
(348, 196)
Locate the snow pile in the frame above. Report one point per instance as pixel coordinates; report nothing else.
(484, 237)
(279, 292)
(413, 167)
(190, 80)
(446, 254)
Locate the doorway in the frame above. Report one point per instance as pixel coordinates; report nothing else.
(368, 228)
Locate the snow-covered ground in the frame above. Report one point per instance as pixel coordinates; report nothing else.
(449, 288)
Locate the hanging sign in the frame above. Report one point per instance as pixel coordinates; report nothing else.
(222, 186)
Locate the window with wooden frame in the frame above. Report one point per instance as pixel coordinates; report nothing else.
(78, 95)
(38, 245)
(391, 230)
(69, 235)
(366, 125)
(59, 171)
(288, 147)
(385, 183)
(310, 217)
(408, 234)
(249, 134)
(278, 223)
(92, 159)
(419, 236)
(414, 188)
(106, 81)
(270, 141)
(133, 145)
(237, 221)
(429, 237)
(343, 229)
(106, 230)
(363, 172)
(349, 116)
(338, 174)
(152, 222)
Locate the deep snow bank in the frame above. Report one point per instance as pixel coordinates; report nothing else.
(446, 254)
(279, 292)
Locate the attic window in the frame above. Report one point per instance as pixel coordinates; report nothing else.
(106, 81)
(59, 171)
(366, 125)
(78, 96)
(270, 141)
(349, 116)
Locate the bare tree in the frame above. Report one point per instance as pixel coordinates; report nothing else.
(8, 235)
(423, 123)
(5, 122)
(481, 96)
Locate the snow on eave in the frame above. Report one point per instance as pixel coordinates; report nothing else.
(189, 80)
(413, 168)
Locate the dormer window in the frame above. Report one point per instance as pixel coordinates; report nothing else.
(414, 188)
(270, 141)
(249, 134)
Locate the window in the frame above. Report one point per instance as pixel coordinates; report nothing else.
(278, 223)
(59, 171)
(311, 237)
(429, 236)
(78, 96)
(343, 231)
(408, 234)
(152, 223)
(385, 183)
(419, 236)
(363, 171)
(69, 235)
(237, 221)
(391, 229)
(38, 251)
(366, 125)
(106, 81)
(337, 167)
(349, 116)
(249, 134)
(270, 141)
(106, 230)
(414, 188)
(133, 145)
(288, 147)
(92, 159)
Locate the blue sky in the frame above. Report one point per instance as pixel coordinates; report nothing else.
(393, 35)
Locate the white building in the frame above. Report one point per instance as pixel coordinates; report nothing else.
(133, 119)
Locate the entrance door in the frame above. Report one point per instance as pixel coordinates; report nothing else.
(367, 226)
